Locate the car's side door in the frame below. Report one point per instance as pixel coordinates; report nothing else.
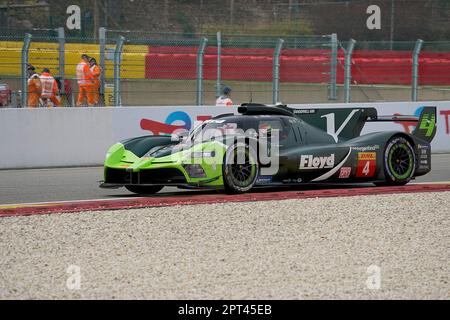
(291, 142)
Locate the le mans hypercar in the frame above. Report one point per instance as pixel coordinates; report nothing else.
(238, 152)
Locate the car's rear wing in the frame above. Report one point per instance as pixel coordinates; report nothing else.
(426, 128)
(347, 123)
(426, 122)
(393, 118)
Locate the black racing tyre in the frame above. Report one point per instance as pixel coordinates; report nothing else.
(399, 162)
(144, 189)
(240, 176)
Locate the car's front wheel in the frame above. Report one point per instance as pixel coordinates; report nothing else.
(399, 162)
(144, 189)
(240, 170)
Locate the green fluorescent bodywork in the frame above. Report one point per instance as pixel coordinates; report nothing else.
(118, 157)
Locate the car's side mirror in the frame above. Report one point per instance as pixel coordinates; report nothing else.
(179, 136)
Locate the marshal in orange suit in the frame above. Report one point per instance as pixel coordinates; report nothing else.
(96, 72)
(34, 87)
(85, 83)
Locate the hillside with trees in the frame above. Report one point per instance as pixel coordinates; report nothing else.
(400, 19)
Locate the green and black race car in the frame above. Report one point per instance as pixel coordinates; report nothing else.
(274, 146)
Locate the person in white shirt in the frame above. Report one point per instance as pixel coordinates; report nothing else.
(224, 100)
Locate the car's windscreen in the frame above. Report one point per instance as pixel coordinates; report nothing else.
(217, 128)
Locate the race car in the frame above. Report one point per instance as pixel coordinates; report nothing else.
(266, 145)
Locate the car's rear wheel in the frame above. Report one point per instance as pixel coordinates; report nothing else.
(240, 170)
(144, 189)
(399, 162)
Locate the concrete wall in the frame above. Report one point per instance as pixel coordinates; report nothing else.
(81, 136)
(54, 137)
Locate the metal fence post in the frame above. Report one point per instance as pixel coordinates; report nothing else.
(219, 64)
(348, 69)
(200, 55)
(334, 54)
(62, 61)
(276, 72)
(102, 43)
(25, 49)
(117, 63)
(415, 70)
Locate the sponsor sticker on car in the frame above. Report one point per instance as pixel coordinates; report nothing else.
(292, 180)
(367, 148)
(304, 111)
(311, 162)
(345, 172)
(367, 164)
(264, 180)
(424, 157)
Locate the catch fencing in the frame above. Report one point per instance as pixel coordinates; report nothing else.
(143, 68)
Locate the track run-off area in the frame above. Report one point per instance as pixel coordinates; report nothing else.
(202, 198)
(308, 242)
(307, 248)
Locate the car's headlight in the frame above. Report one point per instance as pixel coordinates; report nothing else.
(195, 170)
(152, 151)
(197, 155)
(108, 154)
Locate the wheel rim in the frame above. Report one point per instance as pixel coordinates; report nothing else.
(242, 174)
(401, 161)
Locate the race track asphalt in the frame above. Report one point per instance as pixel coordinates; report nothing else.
(66, 184)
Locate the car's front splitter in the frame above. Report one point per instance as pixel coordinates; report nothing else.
(199, 184)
